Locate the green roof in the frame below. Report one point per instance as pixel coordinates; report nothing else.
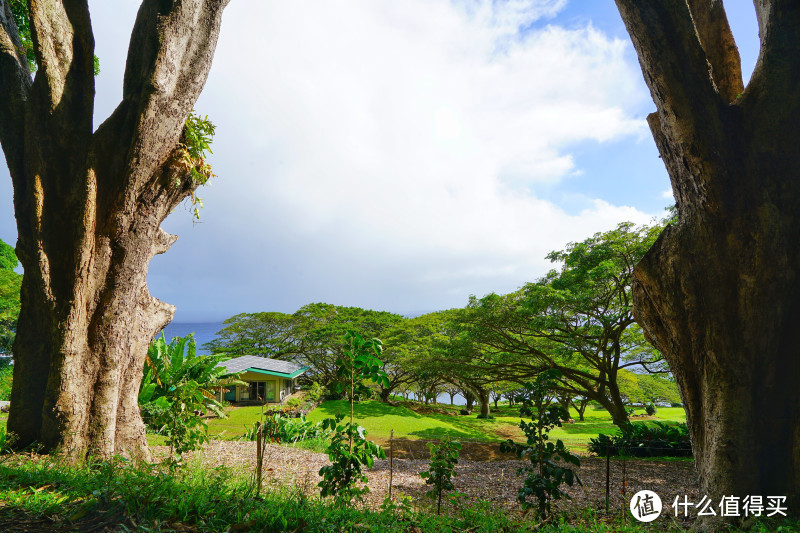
(279, 374)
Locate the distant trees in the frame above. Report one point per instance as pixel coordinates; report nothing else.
(269, 334)
(576, 319)
(311, 336)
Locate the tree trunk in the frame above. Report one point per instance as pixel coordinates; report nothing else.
(719, 292)
(470, 400)
(483, 399)
(385, 393)
(89, 205)
(564, 401)
(581, 408)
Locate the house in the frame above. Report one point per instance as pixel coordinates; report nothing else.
(268, 380)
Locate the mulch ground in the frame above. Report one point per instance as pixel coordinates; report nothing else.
(483, 473)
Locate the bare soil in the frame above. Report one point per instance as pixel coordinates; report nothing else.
(483, 473)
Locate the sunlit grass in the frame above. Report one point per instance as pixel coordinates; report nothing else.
(380, 418)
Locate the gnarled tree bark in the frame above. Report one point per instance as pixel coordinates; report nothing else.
(89, 205)
(719, 292)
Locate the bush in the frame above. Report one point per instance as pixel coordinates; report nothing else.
(650, 409)
(315, 393)
(549, 462)
(283, 429)
(6, 372)
(645, 440)
(442, 469)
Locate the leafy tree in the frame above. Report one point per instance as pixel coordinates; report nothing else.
(321, 329)
(636, 388)
(577, 319)
(10, 283)
(718, 292)
(407, 357)
(177, 386)
(442, 469)
(546, 473)
(358, 363)
(89, 202)
(268, 334)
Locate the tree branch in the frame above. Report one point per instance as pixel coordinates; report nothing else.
(779, 31)
(717, 40)
(64, 47)
(15, 84)
(168, 61)
(675, 69)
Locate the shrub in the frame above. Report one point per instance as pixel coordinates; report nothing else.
(6, 373)
(175, 388)
(650, 409)
(444, 457)
(548, 469)
(315, 393)
(284, 429)
(658, 439)
(349, 449)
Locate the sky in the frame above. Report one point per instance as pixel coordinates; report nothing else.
(401, 156)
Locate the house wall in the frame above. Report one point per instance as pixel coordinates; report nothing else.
(282, 387)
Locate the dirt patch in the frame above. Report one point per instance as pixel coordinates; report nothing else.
(493, 480)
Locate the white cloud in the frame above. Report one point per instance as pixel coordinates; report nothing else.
(387, 154)
(409, 135)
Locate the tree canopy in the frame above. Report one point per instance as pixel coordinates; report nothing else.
(577, 319)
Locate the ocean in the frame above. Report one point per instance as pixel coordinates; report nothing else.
(203, 332)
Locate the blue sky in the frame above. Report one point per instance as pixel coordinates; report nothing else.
(402, 155)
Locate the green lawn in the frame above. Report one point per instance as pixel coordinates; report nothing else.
(234, 426)
(379, 419)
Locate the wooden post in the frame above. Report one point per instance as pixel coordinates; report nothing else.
(608, 475)
(391, 461)
(624, 480)
(259, 457)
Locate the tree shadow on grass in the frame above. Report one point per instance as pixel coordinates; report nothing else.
(453, 433)
(590, 428)
(369, 409)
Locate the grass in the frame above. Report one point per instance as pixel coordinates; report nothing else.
(49, 494)
(234, 426)
(380, 418)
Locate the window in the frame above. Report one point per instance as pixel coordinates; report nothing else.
(262, 390)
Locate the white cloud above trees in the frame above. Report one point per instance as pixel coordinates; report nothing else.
(388, 154)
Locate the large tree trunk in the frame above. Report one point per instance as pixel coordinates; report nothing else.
(89, 205)
(719, 292)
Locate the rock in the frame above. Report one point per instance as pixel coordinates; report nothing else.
(464, 412)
